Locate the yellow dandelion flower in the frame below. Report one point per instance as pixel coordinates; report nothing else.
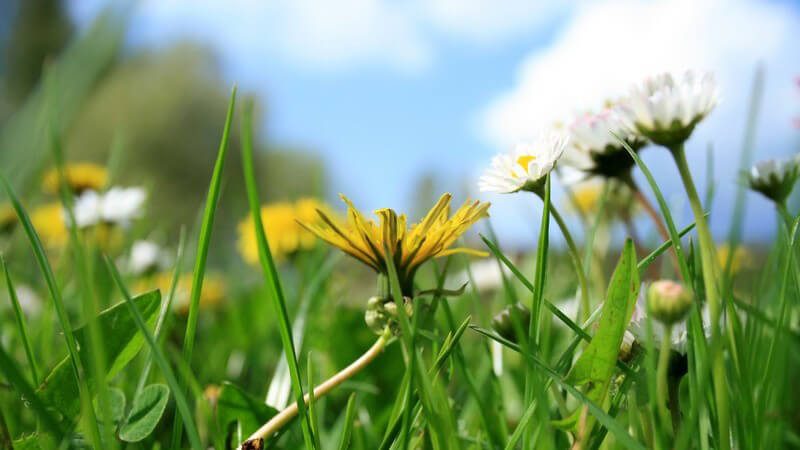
(282, 225)
(48, 221)
(742, 257)
(80, 177)
(212, 294)
(411, 246)
(8, 218)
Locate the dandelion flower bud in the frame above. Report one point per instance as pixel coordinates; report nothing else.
(503, 322)
(382, 312)
(668, 301)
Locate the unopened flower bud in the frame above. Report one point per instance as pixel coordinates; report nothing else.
(503, 322)
(382, 312)
(668, 301)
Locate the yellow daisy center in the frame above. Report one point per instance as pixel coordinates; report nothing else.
(524, 160)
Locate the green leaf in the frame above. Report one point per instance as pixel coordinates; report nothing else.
(148, 407)
(123, 342)
(236, 405)
(595, 367)
(116, 403)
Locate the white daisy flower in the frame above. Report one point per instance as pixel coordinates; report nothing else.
(774, 178)
(594, 147)
(526, 166)
(666, 110)
(146, 256)
(117, 206)
(121, 205)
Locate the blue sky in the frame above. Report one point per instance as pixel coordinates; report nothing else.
(384, 91)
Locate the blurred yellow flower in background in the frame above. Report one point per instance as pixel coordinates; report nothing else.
(281, 224)
(586, 198)
(8, 218)
(211, 296)
(48, 221)
(80, 177)
(742, 257)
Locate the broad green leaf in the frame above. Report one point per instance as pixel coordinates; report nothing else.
(116, 404)
(596, 365)
(123, 342)
(236, 405)
(147, 409)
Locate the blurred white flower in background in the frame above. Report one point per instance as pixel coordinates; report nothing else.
(525, 167)
(118, 206)
(486, 273)
(147, 256)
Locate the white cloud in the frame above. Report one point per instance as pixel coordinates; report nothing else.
(606, 47)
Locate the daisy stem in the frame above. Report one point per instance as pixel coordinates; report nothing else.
(576, 260)
(661, 376)
(709, 262)
(282, 418)
(785, 214)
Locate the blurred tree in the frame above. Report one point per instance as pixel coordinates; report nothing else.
(40, 29)
(165, 110)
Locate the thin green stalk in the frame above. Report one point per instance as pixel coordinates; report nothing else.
(21, 328)
(61, 312)
(576, 260)
(661, 376)
(89, 303)
(532, 385)
(270, 274)
(709, 263)
(159, 357)
(748, 141)
(203, 243)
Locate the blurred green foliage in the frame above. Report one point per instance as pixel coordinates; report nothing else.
(162, 109)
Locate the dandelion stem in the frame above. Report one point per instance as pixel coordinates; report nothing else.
(576, 260)
(661, 376)
(282, 418)
(709, 262)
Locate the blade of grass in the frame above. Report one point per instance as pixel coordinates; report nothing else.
(89, 303)
(746, 156)
(344, 443)
(312, 410)
(165, 308)
(159, 357)
(202, 255)
(20, 318)
(61, 312)
(270, 274)
(602, 417)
